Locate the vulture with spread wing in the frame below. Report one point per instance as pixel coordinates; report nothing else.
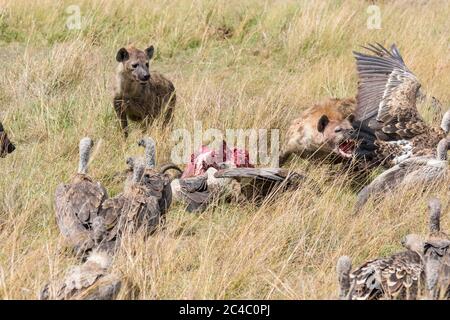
(78, 203)
(386, 103)
(396, 277)
(258, 183)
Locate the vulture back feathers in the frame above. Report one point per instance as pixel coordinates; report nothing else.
(396, 277)
(78, 202)
(386, 102)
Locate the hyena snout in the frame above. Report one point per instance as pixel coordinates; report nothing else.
(346, 133)
(142, 74)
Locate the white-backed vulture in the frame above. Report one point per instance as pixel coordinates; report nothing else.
(77, 203)
(386, 101)
(396, 277)
(423, 170)
(157, 183)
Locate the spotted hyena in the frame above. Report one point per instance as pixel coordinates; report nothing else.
(140, 94)
(322, 130)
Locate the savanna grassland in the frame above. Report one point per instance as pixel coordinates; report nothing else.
(235, 64)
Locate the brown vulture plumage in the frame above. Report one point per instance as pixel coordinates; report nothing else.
(420, 170)
(157, 183)
(77, 204)
(386, 101)
(396, 277)
(143, 203)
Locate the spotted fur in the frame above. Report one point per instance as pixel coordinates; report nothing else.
(141, 94)
(319, 130)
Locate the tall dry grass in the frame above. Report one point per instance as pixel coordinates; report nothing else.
(282, 55)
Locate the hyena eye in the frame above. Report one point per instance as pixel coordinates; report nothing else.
(134, 65)
(146, 64)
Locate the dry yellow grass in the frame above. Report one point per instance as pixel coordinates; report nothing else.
(282, 55)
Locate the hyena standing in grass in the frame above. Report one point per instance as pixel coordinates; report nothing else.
(141, 94)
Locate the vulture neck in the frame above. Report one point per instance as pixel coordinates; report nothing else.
(432, 267)
(138, 171)
(435, 221)
(85, 150)
(150, 153)
(442, 149)
(344, 267)
(445, 123)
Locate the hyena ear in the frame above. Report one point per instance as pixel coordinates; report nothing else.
(323, 122)
(149, 51)
(122, 55)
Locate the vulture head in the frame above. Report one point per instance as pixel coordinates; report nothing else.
(413, 242)
(434, 207)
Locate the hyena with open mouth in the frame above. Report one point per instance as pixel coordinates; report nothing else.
(324, 130)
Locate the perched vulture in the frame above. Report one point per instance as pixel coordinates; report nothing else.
(130, 161)
(146, 198)
(437, 255)
(130, 210)
(258, 183)
(6, 146)
(78, 202)
(90, 281)
(396, 277)
(157, 183)
(420, 170)
(386, 103)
